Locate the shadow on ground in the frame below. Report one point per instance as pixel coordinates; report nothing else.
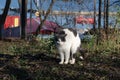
(43, 66)
(16, 66)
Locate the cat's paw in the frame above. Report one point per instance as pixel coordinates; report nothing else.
(66, 62)
(61, 62)
(72, 61)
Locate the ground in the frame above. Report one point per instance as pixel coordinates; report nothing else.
(42, 66)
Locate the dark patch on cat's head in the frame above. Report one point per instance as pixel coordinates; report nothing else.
(74, 31)
(60, 34)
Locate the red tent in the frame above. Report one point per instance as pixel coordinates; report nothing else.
(14, 21)
(47, 28)
(82, 20)
(12, 26)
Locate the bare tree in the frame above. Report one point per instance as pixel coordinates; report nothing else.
(45, 17)
(115, 2)
(107, 18)
(99, 22)
(23, 16)
(104, 14)
(65, 20)
(3, 16)
(94, 25)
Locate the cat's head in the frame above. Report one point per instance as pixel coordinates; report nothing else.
(60, 35)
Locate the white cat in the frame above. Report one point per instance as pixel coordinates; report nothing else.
(67, 42)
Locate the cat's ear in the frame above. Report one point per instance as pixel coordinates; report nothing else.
(58, 29)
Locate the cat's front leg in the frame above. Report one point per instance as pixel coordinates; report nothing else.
(67, 56)
(61, 58)
(72, 59)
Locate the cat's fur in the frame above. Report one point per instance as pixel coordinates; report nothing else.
(67, 42)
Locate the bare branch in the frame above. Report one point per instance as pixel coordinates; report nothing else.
(45, 17)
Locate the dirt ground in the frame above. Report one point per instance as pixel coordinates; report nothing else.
(45, 67)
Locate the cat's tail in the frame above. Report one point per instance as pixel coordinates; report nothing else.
(83, 53)
(81, 57)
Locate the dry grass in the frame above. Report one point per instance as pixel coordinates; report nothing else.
(38, 62)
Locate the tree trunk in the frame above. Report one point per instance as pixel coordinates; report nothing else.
(3, 16)
(99, 23)
(107, 18)
(94, 25)
(23, 15)
(105, 14)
